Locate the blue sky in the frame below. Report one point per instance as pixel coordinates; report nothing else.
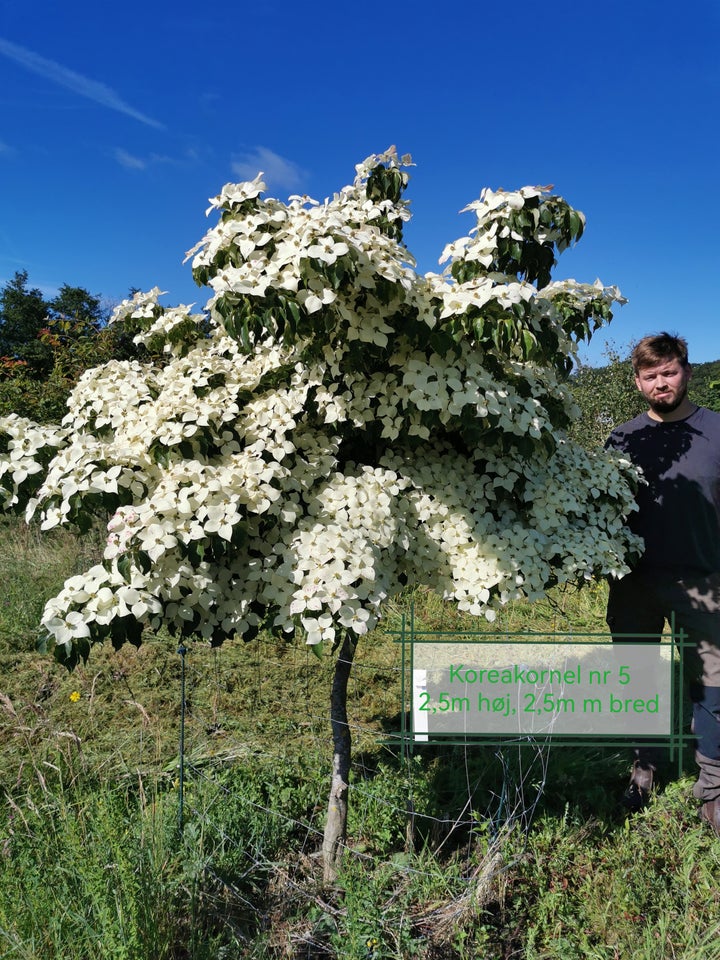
(118, 122)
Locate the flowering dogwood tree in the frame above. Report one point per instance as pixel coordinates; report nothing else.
(332, 427)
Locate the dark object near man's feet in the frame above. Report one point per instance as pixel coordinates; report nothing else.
(710, 813)
(637, 795)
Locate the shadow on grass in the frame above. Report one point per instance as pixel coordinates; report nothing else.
(475, 784)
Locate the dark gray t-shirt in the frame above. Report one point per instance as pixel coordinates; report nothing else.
(679, 509)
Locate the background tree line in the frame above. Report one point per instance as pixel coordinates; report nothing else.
(46, 344)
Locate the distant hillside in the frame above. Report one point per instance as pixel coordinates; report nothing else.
(700, 391)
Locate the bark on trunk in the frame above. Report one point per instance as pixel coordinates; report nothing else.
(336, 823)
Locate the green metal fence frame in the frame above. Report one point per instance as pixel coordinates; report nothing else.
(408, 636)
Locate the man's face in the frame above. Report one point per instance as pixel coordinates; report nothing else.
(664, 386)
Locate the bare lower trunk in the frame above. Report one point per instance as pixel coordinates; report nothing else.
(336, 824)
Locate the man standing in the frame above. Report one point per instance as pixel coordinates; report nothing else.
(677, 445)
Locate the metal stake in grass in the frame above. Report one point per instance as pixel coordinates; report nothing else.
(182, 650)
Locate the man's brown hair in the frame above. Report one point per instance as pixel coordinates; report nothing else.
(659, 348)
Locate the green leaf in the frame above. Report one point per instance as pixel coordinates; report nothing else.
(479, 327)
(294, 311)
(245, 335)
(124, 565)
(160, 454)
(576, 224)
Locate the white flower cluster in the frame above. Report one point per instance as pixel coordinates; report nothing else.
(321, 257)
(28, 446)
(169, 329)
(330, 430)
(481, 245)
(95, 597)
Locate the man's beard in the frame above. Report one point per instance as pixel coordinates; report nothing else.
(668, 406)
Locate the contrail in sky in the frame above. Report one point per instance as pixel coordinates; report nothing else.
(64, 77)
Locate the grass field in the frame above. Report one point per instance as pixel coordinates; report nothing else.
(453, 852)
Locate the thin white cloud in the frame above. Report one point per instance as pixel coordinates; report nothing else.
(132, 162)
(277, 171)
(128, 161)
(79, 84)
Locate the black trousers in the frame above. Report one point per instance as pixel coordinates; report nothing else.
(640, 603)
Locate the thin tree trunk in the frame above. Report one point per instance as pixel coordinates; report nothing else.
(336, 824)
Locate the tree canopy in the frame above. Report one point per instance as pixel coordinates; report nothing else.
(25, 313)
(333, 426)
